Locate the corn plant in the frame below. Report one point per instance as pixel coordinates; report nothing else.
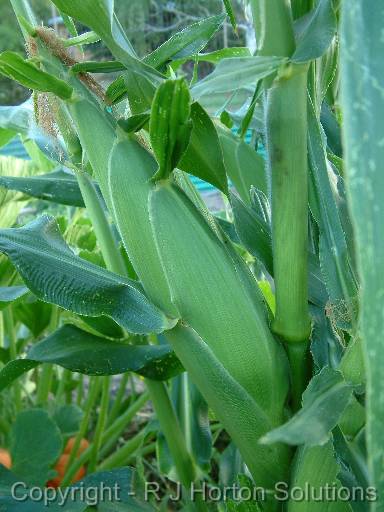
(268, 312)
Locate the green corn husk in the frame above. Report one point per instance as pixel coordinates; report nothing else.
(210, 296)
(238, 412)
(130, 169)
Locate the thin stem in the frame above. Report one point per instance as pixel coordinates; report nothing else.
(100, 426)
(105, 238)
(170, 426)
(9, 329)
(80, 390)
(111, 435)
(120, 457)
(47, 371)
(65, 376)
(44, 384)
(118, 398)
(93, 393)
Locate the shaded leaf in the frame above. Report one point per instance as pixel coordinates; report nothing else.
(54, 274)
(254, 232)
(316, 31)
(230, 12)
(203, 157)
(98, 67)
(134, 123)
(15, 369)
(68, 417)
(307, 473)
(334, 257)
(71, 347)
(15, 67)
(324, 401)
(244, 166)
(59, 186)
(10, 294)
(36, 443)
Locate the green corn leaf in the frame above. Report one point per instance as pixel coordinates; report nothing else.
(324, 401)
(245, 167)
(116, 91)
(189, 42)
(206, 269)
(54, 274)
(15, 369)
(15, 67)
(203, 157)
(315, 32)
(99, 15)
(36, 443)
(59, 186)
(85, 38)
(231, 14)
(70, 347)
(349, 453)
(234, 73)
(362, 71)
(9, 294)
(326, 349)
(170, 125)
(331, 129)
(254, 232)
(334, 257)
(98, 67)
(238, 412)
(134, 123)
(216, 56)
(140, 92)
(307, 473)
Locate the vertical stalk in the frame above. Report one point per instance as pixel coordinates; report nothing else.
(287, 151)
(46, 375)
(93, 393)
(44, 384)
(286, 127)
(9, 329)
(105, 238)
(172, 432)
(100, 426)
(115, 409)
